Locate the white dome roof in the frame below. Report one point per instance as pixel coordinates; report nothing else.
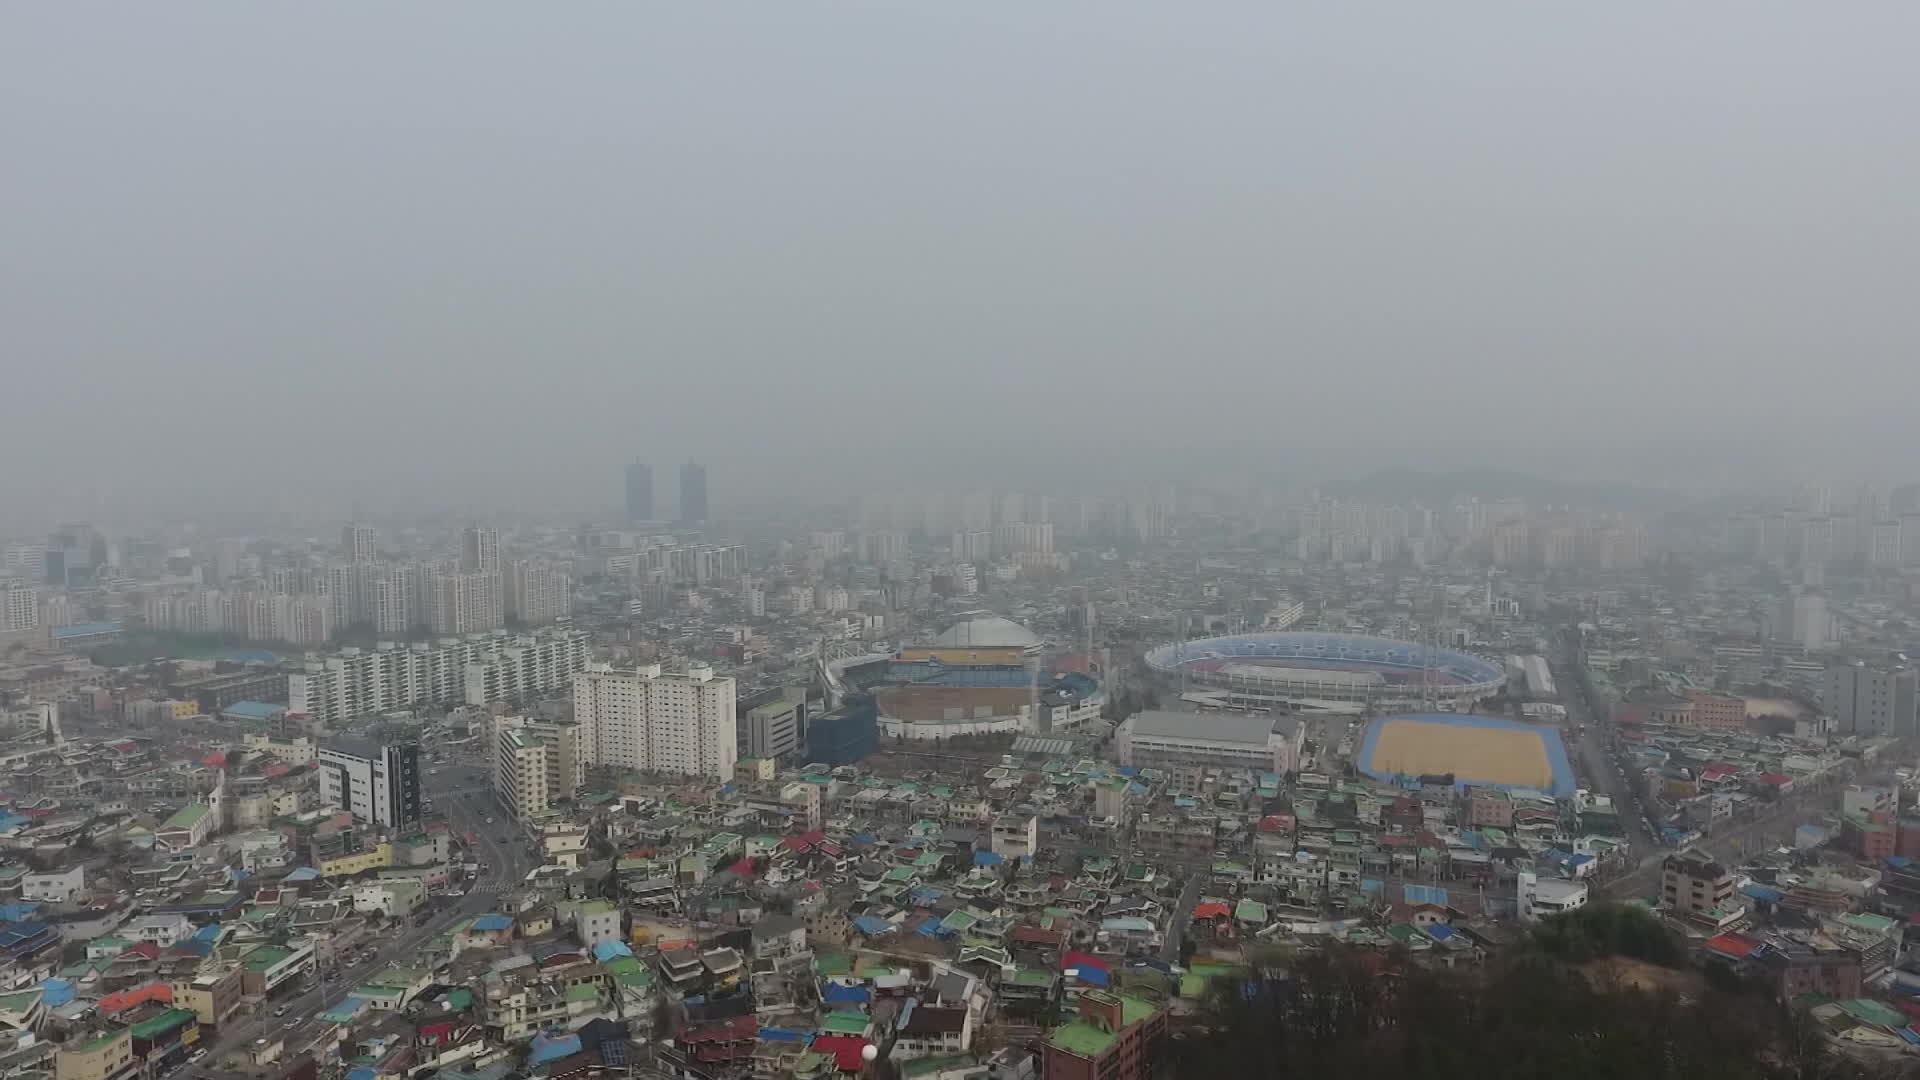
(987, 631)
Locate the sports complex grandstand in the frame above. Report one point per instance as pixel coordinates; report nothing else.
(1307, 668)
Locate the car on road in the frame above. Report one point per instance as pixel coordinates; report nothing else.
(281, 1011)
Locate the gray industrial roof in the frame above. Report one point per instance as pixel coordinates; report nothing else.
(1218, 726)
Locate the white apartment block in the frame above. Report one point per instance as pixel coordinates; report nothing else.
(539, 591)
(27, 560)
(536, 764)
(645, 720)
(1020, 537)
(299, 618)
(524, 667)
(19, 606)
(363, 682)
(357, 542)
(465, 601)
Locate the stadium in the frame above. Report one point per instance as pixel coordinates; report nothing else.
(1314, 670)
(982, 675)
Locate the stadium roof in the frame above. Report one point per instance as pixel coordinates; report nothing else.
(1252, 728)
(987, 631)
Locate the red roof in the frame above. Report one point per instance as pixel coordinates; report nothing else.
(215, 760)
(148, 949)
(1774, 779)
(1211, 911)
(1738, 946)
(1034, 935)
(744, 868)
(802, 843)
(127, 999)
(846, 1050)
(1083, 960)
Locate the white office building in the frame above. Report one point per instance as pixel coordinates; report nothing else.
(374, 782)
(646, 720)
(1158, 739)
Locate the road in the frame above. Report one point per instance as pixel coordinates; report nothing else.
(1182, 914)
(1600, 765)
(459, 793)
(1732, 841)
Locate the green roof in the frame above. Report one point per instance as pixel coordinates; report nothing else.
(1252, 911)
(1133, 1010)
(161, 1023)
(460, 999)
(186, 817)
(844, 1023)
(830, 963)
(266, 956)
(1032, 977)
(1869, 1011)
(583, 992)
(1082, 1039)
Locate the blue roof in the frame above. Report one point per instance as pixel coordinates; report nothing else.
(250, 656)
(362, 1072)
(1762, 893)
(608, 950)
(21, 932)
(209, 932)
(547, 1048)
(254, 710)
(17, 912)
(842, 994)
(56, 992)
(1439, 931)
(773, 1034)
(304, 873)
(987, 858)
(491, 922)
(1092, 976)
(86, 629)
(871, 925)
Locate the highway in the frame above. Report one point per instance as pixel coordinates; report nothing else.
(459, 793)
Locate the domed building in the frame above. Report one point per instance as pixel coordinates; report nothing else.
(987, 632)
(983, 674)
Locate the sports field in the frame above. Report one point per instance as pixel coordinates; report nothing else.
(1480, 750)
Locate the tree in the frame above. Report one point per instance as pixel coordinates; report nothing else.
(1343, 1012)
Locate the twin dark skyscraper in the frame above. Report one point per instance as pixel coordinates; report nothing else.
(693, 492)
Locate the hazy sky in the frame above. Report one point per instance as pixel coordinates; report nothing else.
(471, 251)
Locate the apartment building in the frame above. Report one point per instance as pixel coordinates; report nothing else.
(536, 764)
(360, 682)
(539, 591)
(646, 719)
(1693, 882)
